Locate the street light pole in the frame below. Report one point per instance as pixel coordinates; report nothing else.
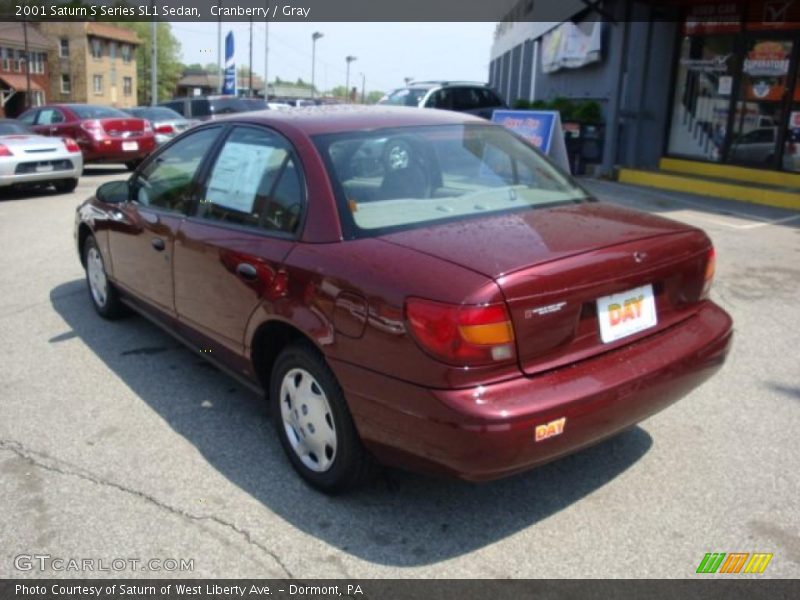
(363, 88)
(348, 59)
(27, 66)
(266, 56)
(250, 83)
(219, 53)
(314, 37)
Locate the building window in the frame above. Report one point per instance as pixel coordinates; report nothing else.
(127, 53)
(37, 97)
(66, 84)
(19, 63)
(97, 84)
(112, 50)
(4, 55)
(97, 48)
(127, 86)
(37, 62)
(63, 49)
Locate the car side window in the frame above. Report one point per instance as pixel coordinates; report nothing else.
(255, 182)
(488, 99)
(200, 107)
(178, 107)
(440, 99)
(50, 116)
(465, 98)
(165, 182)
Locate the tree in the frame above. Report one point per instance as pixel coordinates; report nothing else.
(339, 92)
(167, 59)
(374, 96)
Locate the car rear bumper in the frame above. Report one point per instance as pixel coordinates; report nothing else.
(110, 149)
(486, 432)
(9, 176)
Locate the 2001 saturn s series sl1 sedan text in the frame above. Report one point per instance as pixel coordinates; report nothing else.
(414, 286)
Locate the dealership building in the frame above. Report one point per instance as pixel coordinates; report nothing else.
(695, 96)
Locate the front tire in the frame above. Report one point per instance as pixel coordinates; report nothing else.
(102, 292)
(65, 186)
(313, 422)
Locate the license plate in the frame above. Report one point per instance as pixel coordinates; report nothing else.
(130, 146)
(44, 168)
(626, 313)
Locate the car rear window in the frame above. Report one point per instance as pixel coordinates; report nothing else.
(408, 177)
(13, 129)
(89, 111)
(158, 113)
(404, 97)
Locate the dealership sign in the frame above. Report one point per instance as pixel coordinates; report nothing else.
(542, 128)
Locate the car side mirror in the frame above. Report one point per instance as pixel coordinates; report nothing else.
(113, 192)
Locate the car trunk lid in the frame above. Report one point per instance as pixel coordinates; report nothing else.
(117, 127)
(552, 266)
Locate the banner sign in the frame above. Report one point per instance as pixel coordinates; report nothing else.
(229, 85)
(542, 128)
(568, 47)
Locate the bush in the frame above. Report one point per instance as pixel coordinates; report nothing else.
(585, 111)
(521, 104)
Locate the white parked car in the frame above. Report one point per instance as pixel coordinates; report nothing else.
(30, 159)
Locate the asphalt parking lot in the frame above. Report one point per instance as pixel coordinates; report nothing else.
(116, 442)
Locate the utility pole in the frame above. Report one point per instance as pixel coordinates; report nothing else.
(348, 60)
(27, 66)
(363, 88)
(250, 85)
(219, 53)
(154, 62)
(266, 56)
(314, 37)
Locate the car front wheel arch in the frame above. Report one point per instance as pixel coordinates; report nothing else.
(84, 232)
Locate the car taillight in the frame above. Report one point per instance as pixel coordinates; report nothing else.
(462, 334)
(165, 129)
(708, 278)
(71, 145)
(93, 128)
(4, 151)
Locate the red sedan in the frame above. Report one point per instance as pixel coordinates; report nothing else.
(414, 287)
(104, 134)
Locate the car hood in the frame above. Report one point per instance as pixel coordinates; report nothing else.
(500, 244)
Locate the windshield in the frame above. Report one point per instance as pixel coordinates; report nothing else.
(412, 176)
(87, 111)
(404, 97)
(13, 129)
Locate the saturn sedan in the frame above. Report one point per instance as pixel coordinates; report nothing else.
(416, 288)
(28, 159)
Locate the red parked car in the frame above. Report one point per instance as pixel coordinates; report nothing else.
(104, 134)
(419, 287)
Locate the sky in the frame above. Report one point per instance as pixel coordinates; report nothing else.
(386, 52)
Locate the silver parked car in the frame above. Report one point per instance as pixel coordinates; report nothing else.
(166, 123)
(30, 159)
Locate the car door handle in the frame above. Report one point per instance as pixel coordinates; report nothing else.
(247, 271)
(158, 244)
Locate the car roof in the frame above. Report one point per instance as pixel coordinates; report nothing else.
(337, 118)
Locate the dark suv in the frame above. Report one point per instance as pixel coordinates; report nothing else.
(462, 96)
(204, 108)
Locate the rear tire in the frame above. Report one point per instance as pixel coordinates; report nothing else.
(103, 294)
(313, 422)
(132, 164)
(65, 186)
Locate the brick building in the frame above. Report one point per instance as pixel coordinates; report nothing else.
(13, 75)
(93, 63)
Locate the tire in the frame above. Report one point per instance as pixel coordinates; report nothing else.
(65, 186)
(313, 422)
(132, 164)
(102, 292)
